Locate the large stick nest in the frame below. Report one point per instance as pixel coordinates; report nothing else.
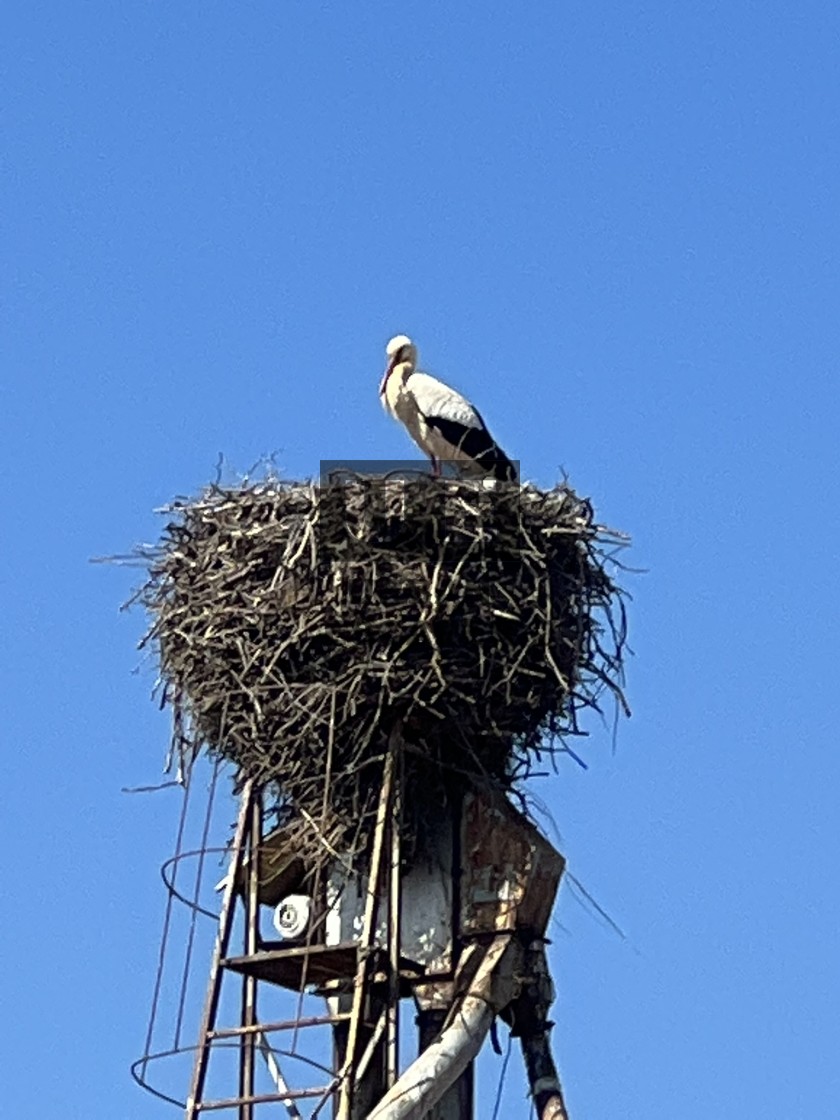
(296, 624)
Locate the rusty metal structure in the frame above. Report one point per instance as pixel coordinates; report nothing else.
(461, 933)
(381, 661)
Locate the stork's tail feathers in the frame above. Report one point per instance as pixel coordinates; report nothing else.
(496, 464)
(478, 445)
(503, 469)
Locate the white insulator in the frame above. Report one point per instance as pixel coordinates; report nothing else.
(291, 916)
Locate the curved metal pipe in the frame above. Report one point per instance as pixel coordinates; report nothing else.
(440, 1065)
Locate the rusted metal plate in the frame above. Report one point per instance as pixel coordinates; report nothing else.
(316, 966)
(426, 909)
(305, 964)
(281, 871)
(435, 996)
(510, 872)
(508, 875)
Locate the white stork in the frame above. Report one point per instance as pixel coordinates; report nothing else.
(439, 420)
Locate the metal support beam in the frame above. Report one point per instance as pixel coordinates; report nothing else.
(247, 1042)
(368, 1071)
(361, 994)
(457, 1102)
(211, 1002)
(494, 984)
(542, 1076)
(392, 1045)
(528, 1017)
(277, 1076)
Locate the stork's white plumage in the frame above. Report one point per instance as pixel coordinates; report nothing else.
(441, 422)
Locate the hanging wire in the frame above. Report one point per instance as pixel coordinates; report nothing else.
(194, 908)
(502, 1075)
(583, 897)
(164, 938)
(316, 886)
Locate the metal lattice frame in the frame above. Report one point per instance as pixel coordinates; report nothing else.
(505, 975)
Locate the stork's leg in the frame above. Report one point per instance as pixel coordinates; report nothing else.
(435, 467)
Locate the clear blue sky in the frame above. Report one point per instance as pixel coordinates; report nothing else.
(616, 226)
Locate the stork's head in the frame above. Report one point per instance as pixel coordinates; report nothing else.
(400, 351)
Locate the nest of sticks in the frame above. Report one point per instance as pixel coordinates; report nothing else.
(297, 625)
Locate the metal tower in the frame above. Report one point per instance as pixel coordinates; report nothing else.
(460, 931)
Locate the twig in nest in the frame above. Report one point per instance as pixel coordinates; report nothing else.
(295, 624)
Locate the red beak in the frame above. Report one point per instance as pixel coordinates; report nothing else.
(388, 371)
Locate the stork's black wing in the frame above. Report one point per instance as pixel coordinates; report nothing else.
(478, 444)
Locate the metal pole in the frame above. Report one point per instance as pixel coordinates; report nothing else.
(248, 1018)
(368, 1071)
(494, 984)
(529, 1019)
(365, 946)
(457, 1102)
(542, 1076)
(392, 1047)
(211, 1002)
